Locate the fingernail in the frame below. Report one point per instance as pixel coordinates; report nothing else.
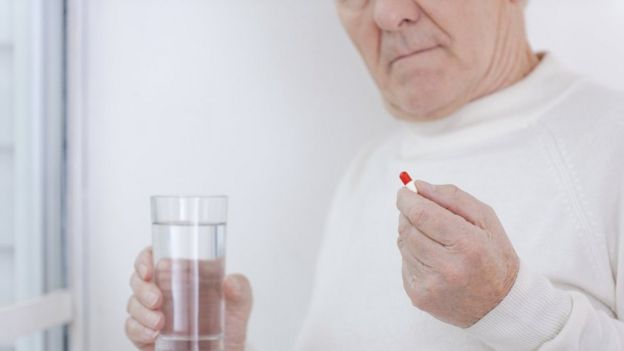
(153, 319)
(143, 270)
(150, 333)
(428, 186)
(151, 298)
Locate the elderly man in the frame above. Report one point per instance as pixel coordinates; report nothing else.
(531, 141)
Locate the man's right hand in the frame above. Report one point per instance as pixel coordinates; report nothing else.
(146, 318)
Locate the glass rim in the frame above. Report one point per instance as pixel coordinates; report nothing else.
(188, 197)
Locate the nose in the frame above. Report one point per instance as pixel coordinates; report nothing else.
(392, 15)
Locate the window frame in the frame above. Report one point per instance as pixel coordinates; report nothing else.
(48, 122)
(76, 208)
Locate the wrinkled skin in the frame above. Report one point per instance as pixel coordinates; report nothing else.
(458, 263)
(431, 57)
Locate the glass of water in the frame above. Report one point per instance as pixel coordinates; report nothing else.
(188, 237)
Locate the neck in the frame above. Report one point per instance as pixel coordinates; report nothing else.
(513, 58)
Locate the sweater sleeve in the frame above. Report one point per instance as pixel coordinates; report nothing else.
(535, 315)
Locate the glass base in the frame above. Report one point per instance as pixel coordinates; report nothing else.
(185, 344)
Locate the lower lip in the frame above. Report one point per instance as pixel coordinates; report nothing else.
(414, 54)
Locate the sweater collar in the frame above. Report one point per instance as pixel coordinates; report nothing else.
(514, 107)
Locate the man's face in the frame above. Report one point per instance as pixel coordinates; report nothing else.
(428, 57)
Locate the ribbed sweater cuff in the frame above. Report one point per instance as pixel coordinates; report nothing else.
(533, 312)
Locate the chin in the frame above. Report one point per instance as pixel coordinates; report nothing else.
(424, 99)
(419, 108)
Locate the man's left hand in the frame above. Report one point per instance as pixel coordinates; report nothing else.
(458, 263)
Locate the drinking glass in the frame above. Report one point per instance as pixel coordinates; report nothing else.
(188, 237)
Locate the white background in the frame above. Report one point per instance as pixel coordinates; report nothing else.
(264, 101)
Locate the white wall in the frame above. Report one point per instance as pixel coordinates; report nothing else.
(587, 35)
(262, 100)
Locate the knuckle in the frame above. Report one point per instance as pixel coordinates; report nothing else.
(408, 279)
(418, 216)
(139, 287)
(463, 244)
(130, 328)
(159, 320)
(138, 333)
(137, 282)
(149, 297)
(488, 211)
(146, 253)
(421, 300)
(400, 243)
(452, 190)
(144, 257)
(400, 198)
(404, 228)
(417, 301)
(414, 242)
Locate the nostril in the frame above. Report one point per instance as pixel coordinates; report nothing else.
(404, 22)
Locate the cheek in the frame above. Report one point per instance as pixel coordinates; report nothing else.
(365, 36)
(472, 48)
(474, 37)
(469, 25)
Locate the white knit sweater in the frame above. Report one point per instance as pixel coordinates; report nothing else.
(548, 155)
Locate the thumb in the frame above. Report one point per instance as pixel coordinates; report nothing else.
(238, 303)
(457, 201)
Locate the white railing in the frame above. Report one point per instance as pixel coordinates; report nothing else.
(32, 316)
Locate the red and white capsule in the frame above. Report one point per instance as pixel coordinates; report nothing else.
(408, 182)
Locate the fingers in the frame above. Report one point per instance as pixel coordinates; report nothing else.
(143, 264)
(405, 226)
(151, 319)
(411, 276)
(414, 245)
(457, 201)
(147, 293)
(238, 304)
(143, 325)
(140, 335)
(436, 222)
(414, 264)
